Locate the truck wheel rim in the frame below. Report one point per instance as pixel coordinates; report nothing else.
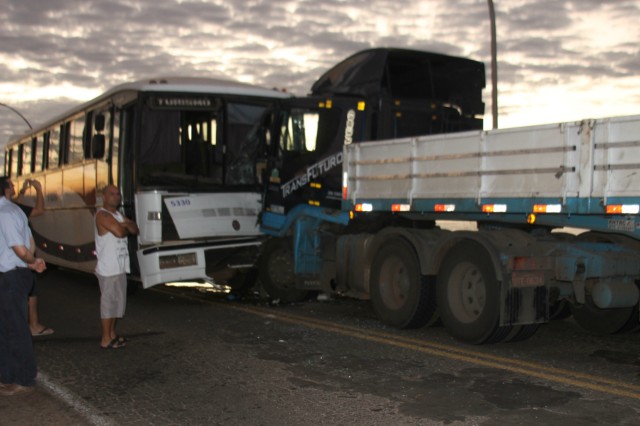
(394, 283)
(467, 293)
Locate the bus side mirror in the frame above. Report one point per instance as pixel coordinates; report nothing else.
(99, 122)
(97, 146)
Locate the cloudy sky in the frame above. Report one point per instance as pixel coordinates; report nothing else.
(557, 60)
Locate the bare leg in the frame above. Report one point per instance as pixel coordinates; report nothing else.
(109, 336)
(112, 331)
(107, 326)
(34, 323)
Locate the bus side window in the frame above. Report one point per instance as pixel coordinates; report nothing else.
(45, 151)
(54, 148)
(114, 144)
(63, 147)
(75, 137)
(13, 163)
(36, 155)
(27, 157)
(20, 161)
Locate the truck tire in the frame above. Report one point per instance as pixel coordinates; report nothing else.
(521, 332)
(605, 321)
(276, 272)
(469, 295)
(559, 310)
(400, 295)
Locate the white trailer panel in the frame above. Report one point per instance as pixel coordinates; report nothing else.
(588, 159)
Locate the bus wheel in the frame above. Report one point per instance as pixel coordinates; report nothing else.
(400, 295)
(469, 295)
(277, 274)
(605, 321)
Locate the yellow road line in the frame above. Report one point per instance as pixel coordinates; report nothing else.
(527, 368)
(476, 354)
(566, 377)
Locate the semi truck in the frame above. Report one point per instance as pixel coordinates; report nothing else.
(551, 212)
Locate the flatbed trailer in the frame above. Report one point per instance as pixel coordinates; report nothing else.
(583, 174)
(515, 271)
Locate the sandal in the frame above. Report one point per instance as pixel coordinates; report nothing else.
(45, 331)
(114, 344)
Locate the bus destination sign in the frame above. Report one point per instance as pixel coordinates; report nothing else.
(183, 102)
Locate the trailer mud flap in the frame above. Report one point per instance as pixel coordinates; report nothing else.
(524, 299)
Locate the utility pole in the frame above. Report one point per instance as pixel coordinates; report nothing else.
(494, 66)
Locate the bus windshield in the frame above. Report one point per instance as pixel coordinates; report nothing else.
(199, 149)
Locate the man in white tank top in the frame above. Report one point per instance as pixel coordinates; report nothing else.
(111, 231)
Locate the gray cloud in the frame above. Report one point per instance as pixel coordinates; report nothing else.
(95, 44)
(541, 15)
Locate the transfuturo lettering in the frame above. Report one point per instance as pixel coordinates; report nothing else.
(313, 172)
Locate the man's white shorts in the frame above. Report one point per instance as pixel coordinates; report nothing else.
(113, 295)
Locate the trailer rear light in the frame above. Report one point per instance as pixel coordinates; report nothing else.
(547, 208)
(494, 208)
(316, 185)
(345, 190)
(623, 209)
(400, 207)
(441, 208)
(314, 203)
(364, 207)
(519, 263)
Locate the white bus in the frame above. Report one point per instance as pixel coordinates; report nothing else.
(187, 157)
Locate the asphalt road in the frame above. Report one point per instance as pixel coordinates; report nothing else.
(199, 359)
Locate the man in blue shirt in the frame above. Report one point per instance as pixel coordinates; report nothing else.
(37, 329)
(17, 360)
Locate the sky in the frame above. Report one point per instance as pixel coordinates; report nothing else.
(557, 60)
